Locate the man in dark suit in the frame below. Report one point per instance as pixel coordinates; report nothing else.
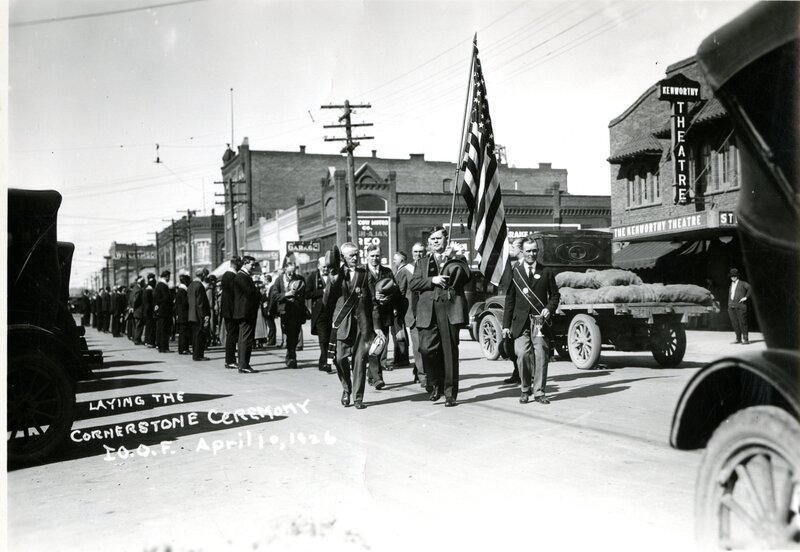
(441, 313)
(290, 300)
(738, 295)
(418, 251)
(402, 276)
(268, 311)
(514, 257)
(162, 312)
(105, 309)
(115, 312)
(531, 298)
(226, 311)
(137, 303)
(378, 272)
(85, 309)
(320, 316)
(245, 311)
(354, 321)
(182, 312)
(148, 308)
(199, 315)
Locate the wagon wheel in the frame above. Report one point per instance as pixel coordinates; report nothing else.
(668, 343)
(489, 334)
(748, 486)
(40, 409)
(584, 341)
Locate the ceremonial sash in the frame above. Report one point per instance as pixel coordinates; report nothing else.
(349, 303)
(526, 295)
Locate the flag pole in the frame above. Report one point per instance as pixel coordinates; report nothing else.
(463, 134)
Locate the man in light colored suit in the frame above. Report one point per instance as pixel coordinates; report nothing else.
(199, 315)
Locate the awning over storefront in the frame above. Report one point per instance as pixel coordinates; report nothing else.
(643, 145)
(643, 254)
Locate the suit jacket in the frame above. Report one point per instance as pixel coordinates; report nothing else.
(403, 279)
(115, 307)
(453, 298)
(315, 289)
(245, 297)
(197, 301)
(105, 302)
(228, 297)
(288, 305)
(162, 300)
(386, 310)
(543, 292)
(122, 303)
(742, 291)
(135, 301)
(182, 303)
(147, 302)
(364, 316)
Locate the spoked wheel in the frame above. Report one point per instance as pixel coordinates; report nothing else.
(41, 407)
(489, 333)
(668, 343)
(748, 488)
(584, 341)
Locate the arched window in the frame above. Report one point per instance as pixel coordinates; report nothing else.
(371, 204)
(330, 208)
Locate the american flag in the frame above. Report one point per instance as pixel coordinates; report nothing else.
(481, 187)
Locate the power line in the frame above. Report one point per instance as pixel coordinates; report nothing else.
(100, 14)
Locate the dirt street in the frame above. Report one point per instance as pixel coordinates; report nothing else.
(190, 456)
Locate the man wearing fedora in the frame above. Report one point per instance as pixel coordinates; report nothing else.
(531, 298)
(738, 296)
(386, 306)
(348, 297)
(439, 277)
(320, 317)
(288, 293)
(245, 311)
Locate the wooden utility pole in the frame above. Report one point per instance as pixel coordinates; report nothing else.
(189, 214)
(348, 148)
(232, 199)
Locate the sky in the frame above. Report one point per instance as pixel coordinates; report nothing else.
(95, 85)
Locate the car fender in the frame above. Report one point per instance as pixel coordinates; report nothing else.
(28, 337)
(727, 385)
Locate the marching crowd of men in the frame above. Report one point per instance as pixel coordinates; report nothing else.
(354, 311)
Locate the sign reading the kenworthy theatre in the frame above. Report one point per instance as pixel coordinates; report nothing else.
(679, 90)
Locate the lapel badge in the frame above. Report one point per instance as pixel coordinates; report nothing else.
(536, 276)
(526, 291)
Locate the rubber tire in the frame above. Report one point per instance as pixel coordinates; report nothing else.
(584, 358)
(674, 359)
(490, 334)
(768, 426)
(52, 375)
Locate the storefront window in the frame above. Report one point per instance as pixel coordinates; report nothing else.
(202, 251)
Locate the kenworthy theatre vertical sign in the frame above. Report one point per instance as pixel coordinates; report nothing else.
(679, 91)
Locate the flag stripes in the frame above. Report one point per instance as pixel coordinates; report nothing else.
(480, 187)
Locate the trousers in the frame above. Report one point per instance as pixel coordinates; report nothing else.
(438, 347)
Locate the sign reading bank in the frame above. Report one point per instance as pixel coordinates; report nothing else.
(679, 90)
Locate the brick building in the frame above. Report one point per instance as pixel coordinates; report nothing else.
(662, 240)
(266, 181)
(205, 233)
(127, 260)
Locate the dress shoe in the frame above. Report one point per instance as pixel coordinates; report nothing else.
(450, 402)
(200, 359)
(231, 366)
(151, 346)
(291, 363)
(511, 380)
(735, 342)
(345, 398)
(360, 405)
(435, 395)
(524, 398)
(380, 384)
(246, 370)
(746, 342)
(325, 368)
(542, 400)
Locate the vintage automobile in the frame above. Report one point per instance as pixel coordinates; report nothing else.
(47, 353)
(745, 409)
(581, 330)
